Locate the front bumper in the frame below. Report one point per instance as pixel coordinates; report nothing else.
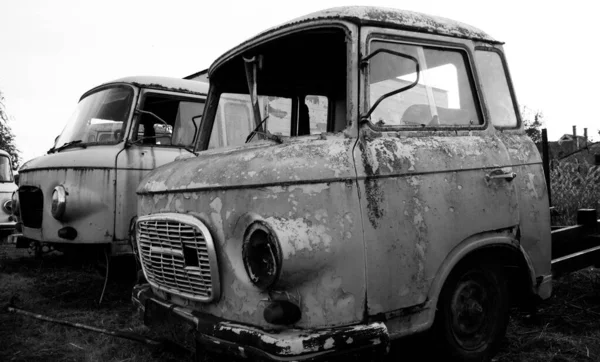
(7, 226)
(361, 342)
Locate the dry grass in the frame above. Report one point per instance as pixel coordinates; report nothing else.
(69, 290)
(575, 185)
(567, 327)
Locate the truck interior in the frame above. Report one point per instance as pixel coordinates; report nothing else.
(301, 84)
(171, 121)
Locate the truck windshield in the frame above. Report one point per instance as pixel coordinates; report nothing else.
(297, 93)
(6, 174)
(99, 118)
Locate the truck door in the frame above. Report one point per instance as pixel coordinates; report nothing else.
(525, 158)
(432, 172)
(164, 129)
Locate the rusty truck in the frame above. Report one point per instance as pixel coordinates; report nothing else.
(82, 192)
(7, 187)
(385, 188)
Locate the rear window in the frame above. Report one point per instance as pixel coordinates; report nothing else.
(495, 89)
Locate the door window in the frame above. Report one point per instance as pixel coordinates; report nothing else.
(169, 121)
(434, 86)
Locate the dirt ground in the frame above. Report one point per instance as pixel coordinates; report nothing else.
(567, 327)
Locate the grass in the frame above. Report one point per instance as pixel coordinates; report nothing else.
(567, 327)
(574, 185)
(69, 290)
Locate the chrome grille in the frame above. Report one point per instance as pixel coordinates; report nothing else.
(177, 255)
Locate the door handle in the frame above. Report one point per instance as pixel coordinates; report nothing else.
(499, 174)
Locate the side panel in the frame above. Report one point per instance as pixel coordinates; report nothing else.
(132, 165)
(533, 200)
(423, 196)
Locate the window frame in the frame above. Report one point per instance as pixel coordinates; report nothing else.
(510, 88)
(177, 96)
(470, 68)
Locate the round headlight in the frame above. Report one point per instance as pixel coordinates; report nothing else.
(262, 255)
(59, 202)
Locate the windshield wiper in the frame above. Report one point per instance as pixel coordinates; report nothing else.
(267, 134)
(68, 144)
(255, 130)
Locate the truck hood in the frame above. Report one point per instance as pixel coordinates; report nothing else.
(257, 165)
(76, 157)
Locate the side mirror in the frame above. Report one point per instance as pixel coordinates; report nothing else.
(16, 177)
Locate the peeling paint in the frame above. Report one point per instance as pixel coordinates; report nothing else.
(296, 235)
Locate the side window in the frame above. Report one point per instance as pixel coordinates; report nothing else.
(173, 121)
(439, 94)
(278, 111)
(495, 89)
(318, 108)
(234, 120)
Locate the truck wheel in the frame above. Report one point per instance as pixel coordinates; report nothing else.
(472, 312)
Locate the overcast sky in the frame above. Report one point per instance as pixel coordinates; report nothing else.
(53, 51)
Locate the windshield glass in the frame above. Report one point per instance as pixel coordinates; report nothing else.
(99, 118)
(5, 169)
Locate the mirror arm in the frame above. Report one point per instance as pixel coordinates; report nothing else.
(366, 116)
(365, 61)
(195, 128)
(152, 114)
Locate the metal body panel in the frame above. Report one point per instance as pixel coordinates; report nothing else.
(133, 164)
(90, 200)
(6, 191)
(423, 196)
(101, 180)
(534, 207)
(305, 191)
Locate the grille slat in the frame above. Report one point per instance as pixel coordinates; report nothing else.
(161, 247)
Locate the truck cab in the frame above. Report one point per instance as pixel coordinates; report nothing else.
(7, 187)
(387, 188)
(82, 192)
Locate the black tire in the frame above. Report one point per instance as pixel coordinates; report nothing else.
(472, 313)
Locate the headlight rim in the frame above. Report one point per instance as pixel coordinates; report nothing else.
(7, 207)
(58, 211)
(277, 253)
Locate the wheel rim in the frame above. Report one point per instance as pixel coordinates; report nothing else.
(473, 309)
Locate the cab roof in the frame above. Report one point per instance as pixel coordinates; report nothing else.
(379, 16)
(161, 83)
